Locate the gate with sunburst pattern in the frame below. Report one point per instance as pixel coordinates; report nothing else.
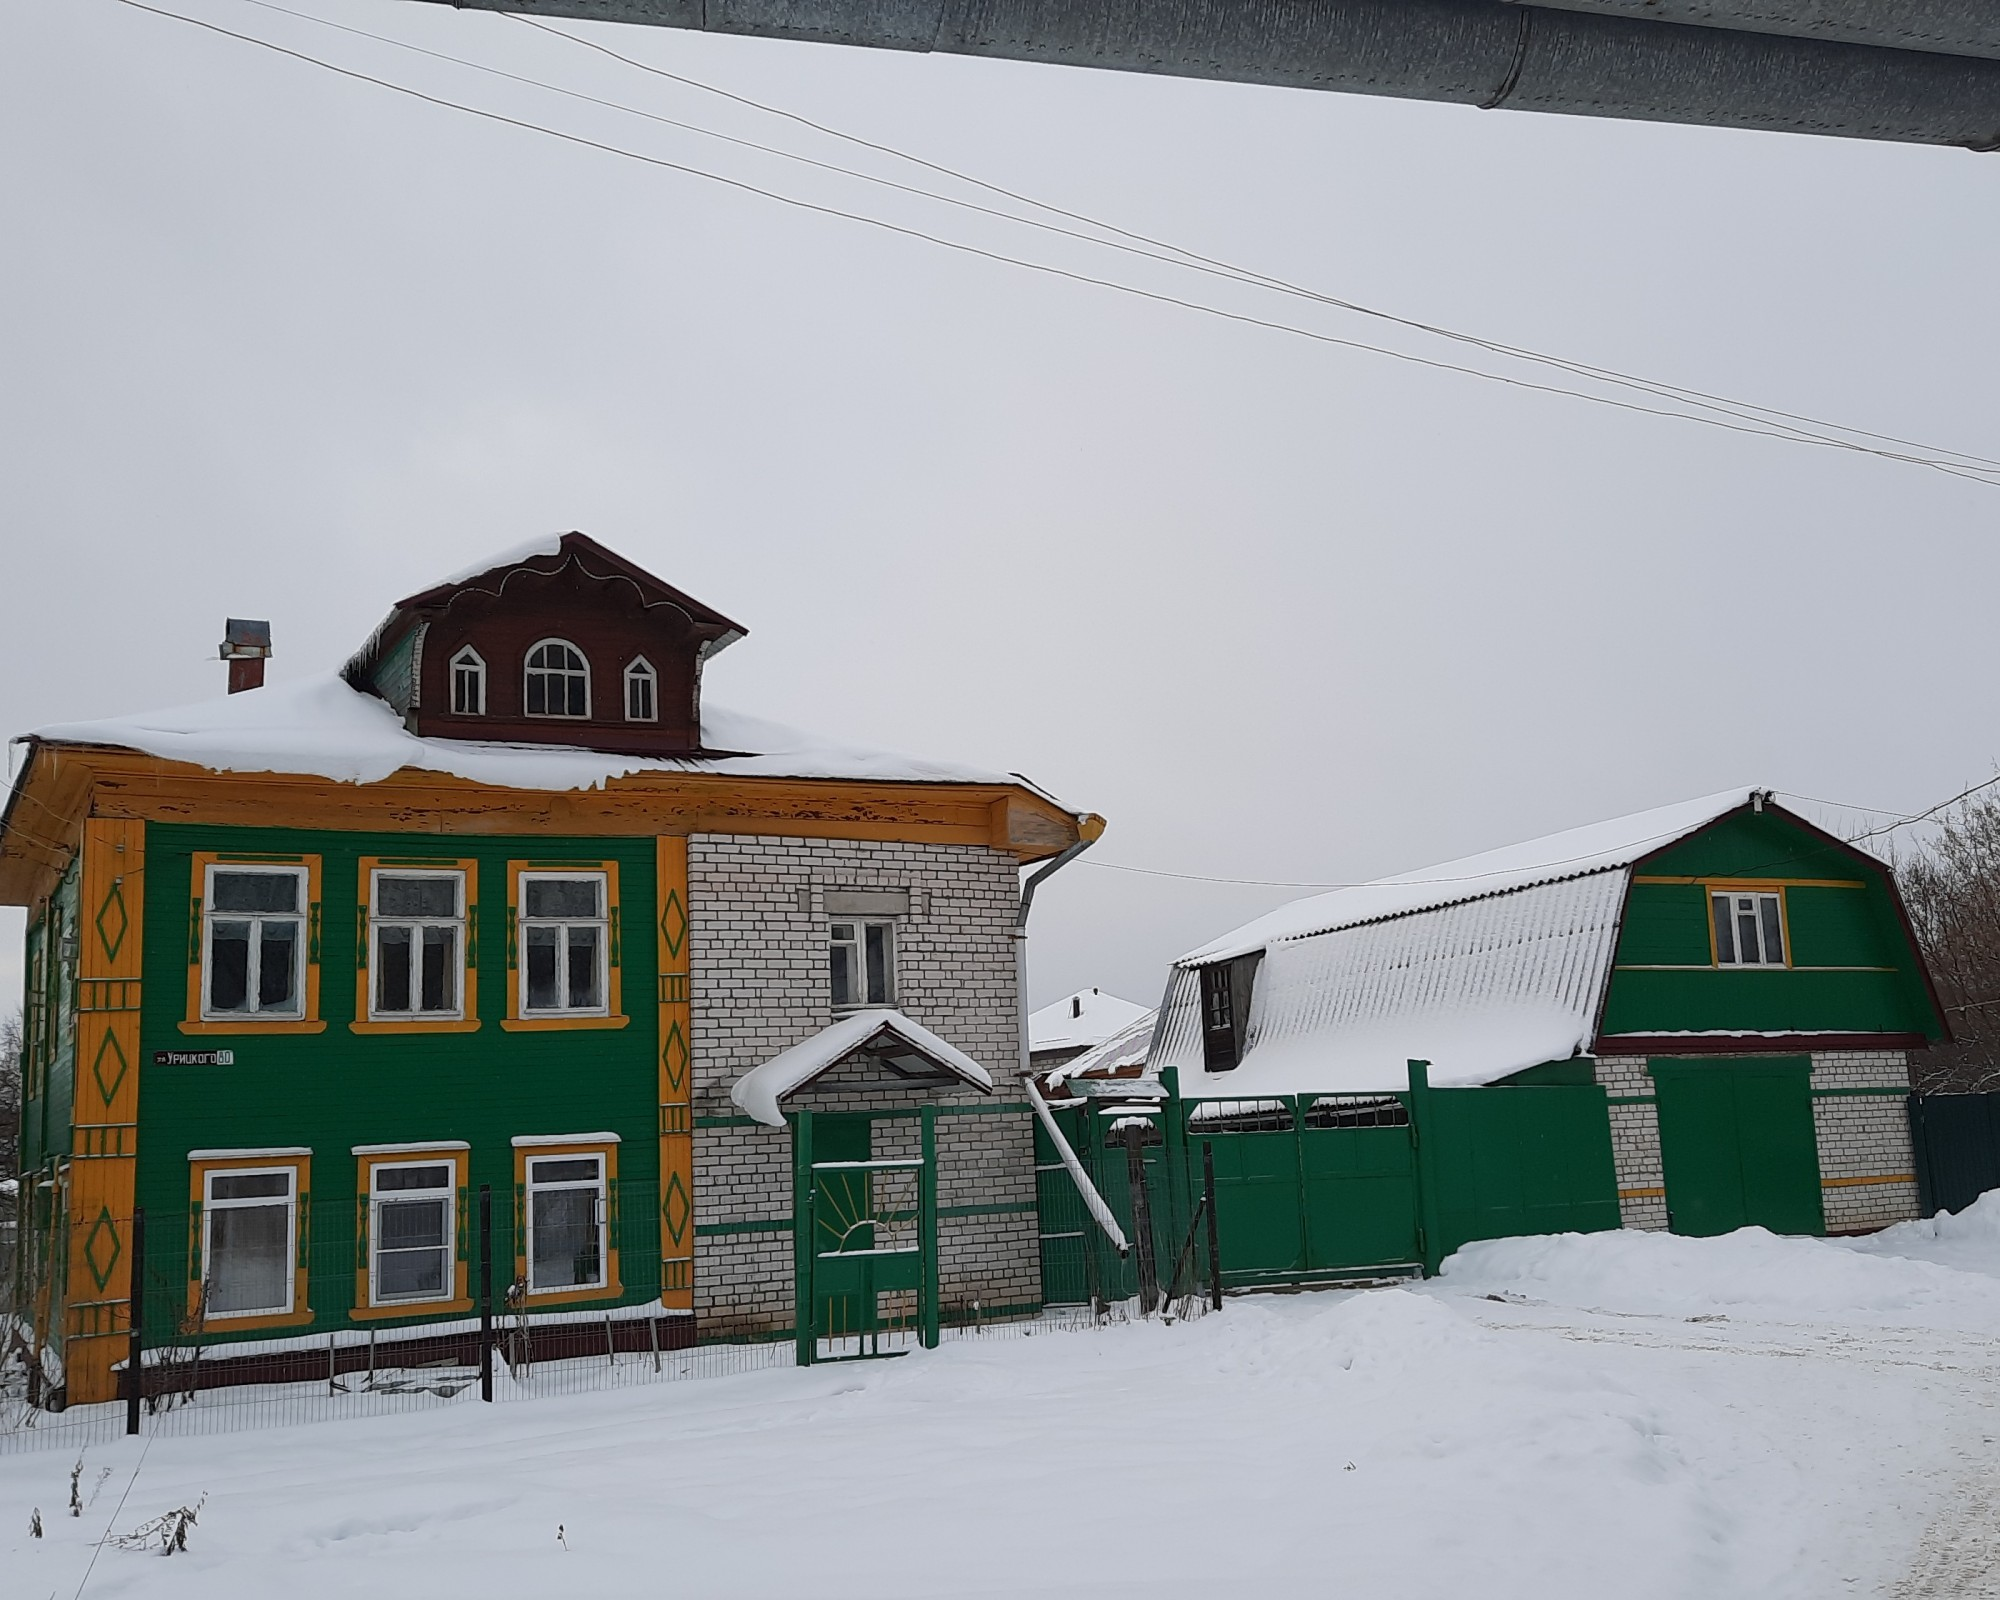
(866, 1240)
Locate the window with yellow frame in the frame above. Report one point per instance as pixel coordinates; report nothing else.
(563, 946)
(253, 944)
(566, 1218)
(248, 1237)
(410, 1227)
(417, 946)
(1746, 925)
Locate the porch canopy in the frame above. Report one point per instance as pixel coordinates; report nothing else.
(904, 1049)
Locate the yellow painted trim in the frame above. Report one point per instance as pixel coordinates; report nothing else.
(100, 1190)
(193, 1022)
(614, 1287)
(364, 947)
(1642, 1194)
(364, 1186)
(673, 929)
(1858, 1183)
(198, 1171)
(614, 954)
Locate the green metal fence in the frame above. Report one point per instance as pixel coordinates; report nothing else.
(1323, 1188)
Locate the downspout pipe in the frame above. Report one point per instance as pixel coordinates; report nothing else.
(1089, 830)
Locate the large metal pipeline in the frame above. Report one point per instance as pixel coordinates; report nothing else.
(1920, 71)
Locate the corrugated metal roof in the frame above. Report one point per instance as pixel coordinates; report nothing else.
(1616, 843)
(1478, 989)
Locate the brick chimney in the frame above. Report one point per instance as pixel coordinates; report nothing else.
(245, 646)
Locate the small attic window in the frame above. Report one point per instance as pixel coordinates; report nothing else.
(558, 680)
(642, 692)
(468, 684)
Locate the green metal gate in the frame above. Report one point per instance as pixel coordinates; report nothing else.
(1738, 1146)
(1309, 1188)
(865, 1243)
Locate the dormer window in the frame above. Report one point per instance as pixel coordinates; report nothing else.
(642, 692)
(558, 680)
(468, 684)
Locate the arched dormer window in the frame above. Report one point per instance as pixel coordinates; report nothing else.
(558, 680)
(468, 684)
(642, 692)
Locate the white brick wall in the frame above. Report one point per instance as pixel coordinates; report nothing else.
(757, 910)
(1860, 1137)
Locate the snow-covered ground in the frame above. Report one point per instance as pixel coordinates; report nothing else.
(1618, 1414)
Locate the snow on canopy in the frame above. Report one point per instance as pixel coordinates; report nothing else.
(1482, 967)
(1081, 1020)
(758, 1091)
(323, 727)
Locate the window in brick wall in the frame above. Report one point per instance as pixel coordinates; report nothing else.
(862, 959)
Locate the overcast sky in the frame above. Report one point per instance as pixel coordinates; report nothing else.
(281, 344)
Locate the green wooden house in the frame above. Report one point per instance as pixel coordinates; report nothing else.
(504, 905)
(1697, 1018)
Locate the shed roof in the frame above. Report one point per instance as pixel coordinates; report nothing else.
(1079, 1021)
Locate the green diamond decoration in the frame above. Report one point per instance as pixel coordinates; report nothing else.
(109, 1046)
(674, 1208)
(112, 922)
(674, 1057)
(102, 1240)
(674, 923)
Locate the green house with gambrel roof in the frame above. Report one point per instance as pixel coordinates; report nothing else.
(1697, 1018)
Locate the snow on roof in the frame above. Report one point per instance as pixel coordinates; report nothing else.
(1479, 989)
(1125, 1048)
(1080, 1020)
(324, 727)
(1617, 843)
(760, 1089)
(548, 544)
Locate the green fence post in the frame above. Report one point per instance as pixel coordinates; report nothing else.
(802, 1236)
(1173, 1134)
(1430, 1240)
(927, 1236)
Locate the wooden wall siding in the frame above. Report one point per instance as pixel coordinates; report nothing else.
(676, 1024)
(1854, 969)
(333, 1090)
(105, 1127)
(607, 620)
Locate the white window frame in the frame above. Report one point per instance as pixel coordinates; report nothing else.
(253, 973)
(640, 670)
(210, 1205)
(601, 1185)
(447, 1196)
(1761, 897)
(523, 922)
(528, 670)
(471, 662)
(859, 945)
(376, 922)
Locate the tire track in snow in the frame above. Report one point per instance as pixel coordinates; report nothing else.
(1959, 1558)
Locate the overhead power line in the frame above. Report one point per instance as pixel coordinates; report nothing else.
(1736, 417)
(1241, 273)
(1539, 866)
